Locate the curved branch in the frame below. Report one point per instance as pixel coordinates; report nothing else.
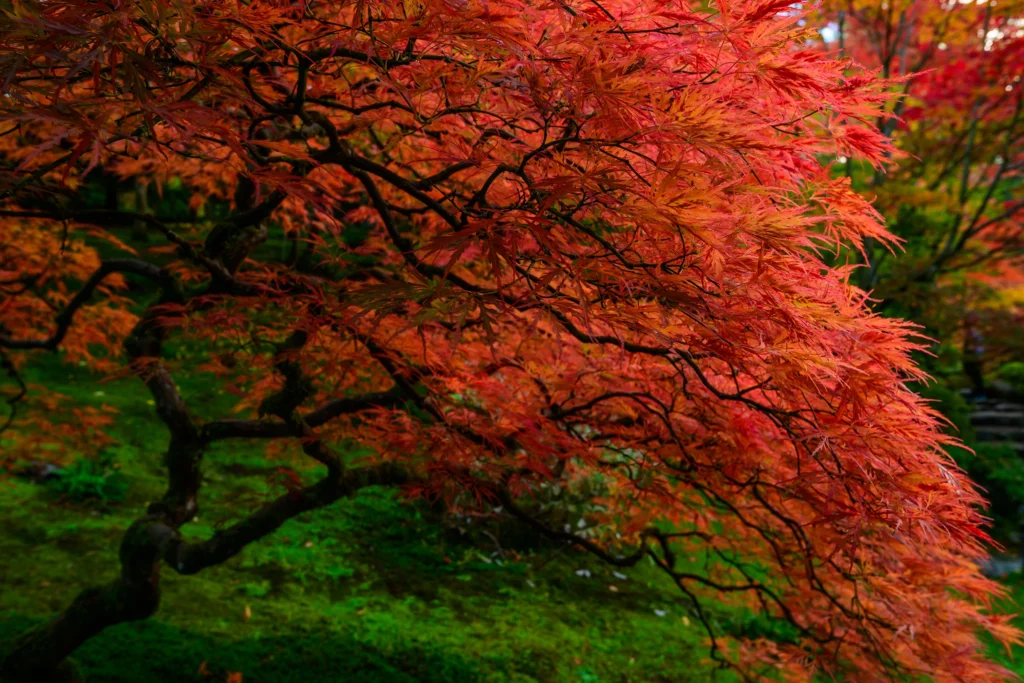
(172, 293)
(190, 558)
(260, 429)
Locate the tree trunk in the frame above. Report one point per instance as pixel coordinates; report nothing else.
(40, 655)
(140, 232)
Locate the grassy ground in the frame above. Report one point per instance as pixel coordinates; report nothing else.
(372, 589)
(1013, 604)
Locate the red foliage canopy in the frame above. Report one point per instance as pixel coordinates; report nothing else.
(587, 253)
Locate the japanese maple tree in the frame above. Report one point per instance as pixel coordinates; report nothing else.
(571, 242)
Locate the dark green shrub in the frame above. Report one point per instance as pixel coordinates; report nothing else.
(91, 478)
(952, 405)
(1012, 374)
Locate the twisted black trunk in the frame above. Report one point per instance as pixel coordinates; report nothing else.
(40, 654)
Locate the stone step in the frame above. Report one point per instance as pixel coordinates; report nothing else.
(998, 404)
(1001, 565)
(999, 418)
(999, 433)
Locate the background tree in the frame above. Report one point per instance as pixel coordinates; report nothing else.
(571, 244)
(955, 193)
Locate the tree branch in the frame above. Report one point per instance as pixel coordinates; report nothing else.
(260, 429)
(172, 293)
(189, 558)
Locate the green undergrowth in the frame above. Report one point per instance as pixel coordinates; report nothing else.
(374, 588)
(1012, 659)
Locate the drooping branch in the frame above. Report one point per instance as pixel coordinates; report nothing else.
(109, 218)
(104, 218)
(630, 560)
(403, 245)
(217, 430)
(172, 294)
(354, 163)
(189, 558)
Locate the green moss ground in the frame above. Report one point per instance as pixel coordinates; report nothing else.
(371, 589)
